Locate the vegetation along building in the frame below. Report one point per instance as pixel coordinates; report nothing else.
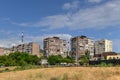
(80, 44)
(55, 46)
(31, 48)
(103, 45)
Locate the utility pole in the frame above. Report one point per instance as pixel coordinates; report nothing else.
(76, 51)
(22, 37)
(22, 40)
(68, 49)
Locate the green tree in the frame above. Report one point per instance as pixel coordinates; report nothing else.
(68, 59)
(55, 59)
(84, 60)
(87, 54)
(19, 59)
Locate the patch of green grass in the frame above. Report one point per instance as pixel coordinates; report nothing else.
(26, 67)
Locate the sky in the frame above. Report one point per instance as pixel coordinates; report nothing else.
(39, 19)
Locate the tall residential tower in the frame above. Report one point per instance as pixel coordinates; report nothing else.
(55, 46)
(80, 44)
(103, 45)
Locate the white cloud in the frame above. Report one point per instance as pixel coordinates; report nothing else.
(73, 5)
(95, 1)
(8, 42)
(39, 39)
(6, 19)
(101, 16)
(6, 32)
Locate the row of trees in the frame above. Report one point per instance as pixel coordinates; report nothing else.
(22, 59)
(18, 59)
(57, 59)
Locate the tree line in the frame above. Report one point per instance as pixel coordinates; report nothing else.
(23, 59)
(18, 59)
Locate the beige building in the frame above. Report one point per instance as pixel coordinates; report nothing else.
(80, 44)
(4, 51)
(103, 45)
(113, 57)
(31, 48)
(55, 46)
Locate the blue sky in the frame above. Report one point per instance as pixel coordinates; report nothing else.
(38, 19)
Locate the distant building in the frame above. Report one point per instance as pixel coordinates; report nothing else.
(55, 46)
(109, 57)
(4, 51)
(106, 56)
(103, 45)
(31, 48)
(80, 44)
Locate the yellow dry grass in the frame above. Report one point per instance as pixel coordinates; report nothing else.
(10, 68)
(66, 73)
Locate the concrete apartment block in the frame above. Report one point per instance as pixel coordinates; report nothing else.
(4, 51)
(1, 51)
(103, 45)
(80, 44)
(55, 46)
(31, 48)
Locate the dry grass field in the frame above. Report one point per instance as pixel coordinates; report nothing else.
(66, 73)
(10, 68)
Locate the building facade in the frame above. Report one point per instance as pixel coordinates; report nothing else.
(55, 46)
(80, 44)
(113, 57)
(103, 45)
(4, 51)
(31, 48)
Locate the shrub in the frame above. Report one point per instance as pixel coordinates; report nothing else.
(103, 64)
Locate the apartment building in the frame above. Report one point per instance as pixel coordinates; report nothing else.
(55, 46)
(4, 51)
(80, 44)
(103, 45)
(31, 48)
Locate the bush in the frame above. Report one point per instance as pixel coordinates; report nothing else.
(110, 65)
(6, 69)
(25, 67)
(103, 64)
(83, 60)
